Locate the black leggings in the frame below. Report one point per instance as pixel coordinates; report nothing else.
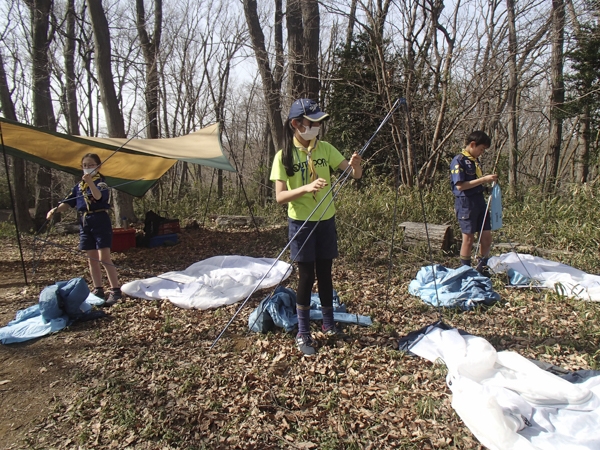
(306, 279)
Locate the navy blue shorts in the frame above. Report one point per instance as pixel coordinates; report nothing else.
(95, 231)
(322, 243)
(470, 212)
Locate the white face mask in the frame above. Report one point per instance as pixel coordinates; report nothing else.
(309, 133)
(90, 171)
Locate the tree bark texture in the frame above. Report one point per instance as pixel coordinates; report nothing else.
(43, 112)
(271, 85)
(150, 49)
(440, 236)
(123, 203)
(558, 93)
(511, 104)
(16, 167)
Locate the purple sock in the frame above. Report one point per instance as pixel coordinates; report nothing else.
(303, 319)
(328, 322)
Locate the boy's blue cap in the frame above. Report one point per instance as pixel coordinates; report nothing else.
(308, 108)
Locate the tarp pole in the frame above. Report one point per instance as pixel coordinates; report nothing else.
(12, 203)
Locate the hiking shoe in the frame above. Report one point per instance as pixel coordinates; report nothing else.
(98, 292)
(484, 271)
(306, 344)
(113, 297)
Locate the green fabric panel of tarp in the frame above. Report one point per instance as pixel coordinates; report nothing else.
(132, 166)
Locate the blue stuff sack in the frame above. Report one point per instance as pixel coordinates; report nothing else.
(73, 293)
(49, 304)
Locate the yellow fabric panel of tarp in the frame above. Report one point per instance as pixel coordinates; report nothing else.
(131, 166)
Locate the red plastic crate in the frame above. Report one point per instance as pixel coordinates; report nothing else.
(122, 239)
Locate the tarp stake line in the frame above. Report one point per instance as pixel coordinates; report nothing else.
(437, 298)
(12, 202)
(124, 144)
(125, 268)
(212, 180)
(519, 258)
(237, 171)
(342, 179)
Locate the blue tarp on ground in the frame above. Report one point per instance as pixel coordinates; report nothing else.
(59, 305)
(453, 288)
(279, 310)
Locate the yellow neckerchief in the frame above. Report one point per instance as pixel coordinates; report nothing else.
(83, 187)
(311, 165)
(475, 161)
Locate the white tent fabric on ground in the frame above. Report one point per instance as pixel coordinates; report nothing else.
(213, 282)
(508, 402)
(562, 278)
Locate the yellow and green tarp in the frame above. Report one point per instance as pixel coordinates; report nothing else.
(131, 166)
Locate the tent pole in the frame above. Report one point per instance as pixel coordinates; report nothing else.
(212, 180)
(12, 203)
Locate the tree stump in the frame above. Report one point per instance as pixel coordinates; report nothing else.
(237, 221)
(441, 236)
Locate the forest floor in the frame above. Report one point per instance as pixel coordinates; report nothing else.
(144, 377)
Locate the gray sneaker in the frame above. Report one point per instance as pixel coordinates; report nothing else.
(306, 344)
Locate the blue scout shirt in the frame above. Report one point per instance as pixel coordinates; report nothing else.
(76, 198)
(464, 169)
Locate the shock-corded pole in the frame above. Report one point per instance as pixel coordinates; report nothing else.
(12, 203)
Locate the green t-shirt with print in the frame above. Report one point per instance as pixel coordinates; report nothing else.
(326, 158)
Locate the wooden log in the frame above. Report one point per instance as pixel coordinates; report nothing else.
(237, 221)
(441, 236)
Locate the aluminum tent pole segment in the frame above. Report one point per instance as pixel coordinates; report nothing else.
(487, 208)
(12, 203)
(342, 179)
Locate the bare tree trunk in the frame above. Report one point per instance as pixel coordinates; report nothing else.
(558, 93)
(271, 83)
(513, 152)
(295, 40)
(426, 173)
(17, 165)
(583, 155)
(351, 22)
(72, 114)
(123, 203)
(150, 48)
(43, 112)
(311, 21)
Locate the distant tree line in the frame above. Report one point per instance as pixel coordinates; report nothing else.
(525, 72)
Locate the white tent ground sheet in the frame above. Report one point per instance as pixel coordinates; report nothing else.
(213, 282)
(508, 402)
(562, 278)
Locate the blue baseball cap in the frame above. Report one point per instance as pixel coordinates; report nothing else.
(308, 108)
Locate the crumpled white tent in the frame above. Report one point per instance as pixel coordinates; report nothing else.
(562, 278)
(508, 402)
(213, 282)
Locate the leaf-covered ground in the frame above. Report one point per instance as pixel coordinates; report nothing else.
(144, 377)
